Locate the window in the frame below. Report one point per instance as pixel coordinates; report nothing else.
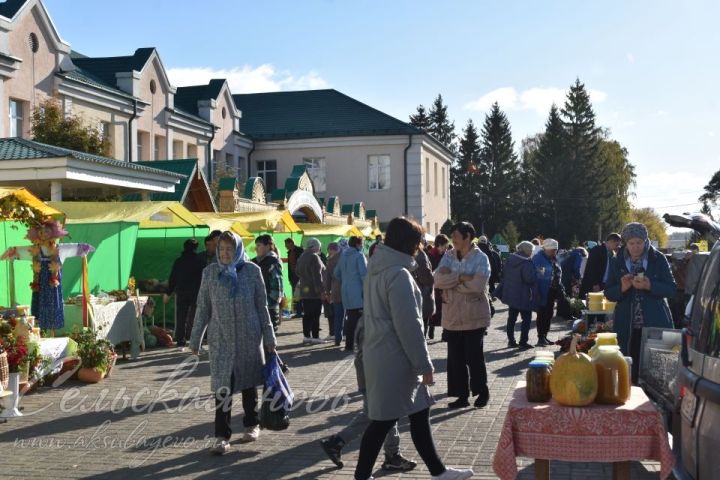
(427, 228)
(230, 164)
(316, 169)
(436, 229)
(140, 141)
(442, 187)
(267, 170)
(178, 149)
(192, 151)
(378, 172)
(153, 87)
(16, 118)
(159, 150)
(427, 174)
(105, 130)
(435, 176)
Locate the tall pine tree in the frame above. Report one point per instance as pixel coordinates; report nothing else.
(464, 191)
(499, 172)
(420, 119)
(440, 125)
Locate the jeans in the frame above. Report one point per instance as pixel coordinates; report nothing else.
(312, 309)
(526, 316)
(420, 433)
(339, 319)
(353, 315)
(223, 405)
(359, 424)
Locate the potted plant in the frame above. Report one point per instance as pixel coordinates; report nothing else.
(16, 351)
(95, 356)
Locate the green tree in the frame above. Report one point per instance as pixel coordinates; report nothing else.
(464, 178)
(706, 210)
(51, 126)
(511, 234)
(440, 125)
(447, 227)
(499, 172)
(657, 228)
(420, 119)
(614, 206)
(712, 190)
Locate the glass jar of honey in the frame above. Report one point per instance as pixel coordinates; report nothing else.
(613, 374)
(538, 381)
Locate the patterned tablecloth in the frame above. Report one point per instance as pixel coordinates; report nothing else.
(598, 433)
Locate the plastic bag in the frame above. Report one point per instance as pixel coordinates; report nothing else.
(277, 397)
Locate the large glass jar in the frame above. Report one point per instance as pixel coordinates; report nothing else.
(602, 339)
(538, 381)
(613, 374)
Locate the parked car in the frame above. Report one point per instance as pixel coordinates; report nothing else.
(696, 424)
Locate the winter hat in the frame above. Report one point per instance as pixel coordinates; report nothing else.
(313, 243)
(483, 239)
(550, 244)
(634, 230)
(333, 247)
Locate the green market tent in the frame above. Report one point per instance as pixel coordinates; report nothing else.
(329, 233)
(12, 234)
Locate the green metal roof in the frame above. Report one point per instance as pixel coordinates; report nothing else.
(183, 167)
(21, 149)
(9, 8)
(369, 214)
(227, 183)
(105, 68)
(313, 114)
(293, 181)
(82, 76)
(347, 209)
(187, 98)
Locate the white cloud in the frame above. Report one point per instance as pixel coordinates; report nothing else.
(248, 79)
(711, 134)
(538, 99)
(630, 57)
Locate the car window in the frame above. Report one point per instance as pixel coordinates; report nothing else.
(705, 319)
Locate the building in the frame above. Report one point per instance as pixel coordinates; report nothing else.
(351, 151)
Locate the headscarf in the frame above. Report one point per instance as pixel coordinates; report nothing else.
(313, 243)
(343, 244)
(634, 230)
(229, 273)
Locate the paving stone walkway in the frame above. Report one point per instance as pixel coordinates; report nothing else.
(153, 419)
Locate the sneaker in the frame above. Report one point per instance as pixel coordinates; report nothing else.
(512, 344)
(307, 340)
(317, 341)
(333, 449)
(525, 346)
(398, 463)
(481, 401)
(454, 474)
(459, 403)
(251, 434)
(329, 338)
(220, 447)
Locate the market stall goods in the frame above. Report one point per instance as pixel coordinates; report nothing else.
(574, 381)
(613, 374)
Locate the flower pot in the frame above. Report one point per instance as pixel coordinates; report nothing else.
(90, 375)
(113, 360)
(10, 403)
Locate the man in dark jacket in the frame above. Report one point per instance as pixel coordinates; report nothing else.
(184, 281)
(495, 268)
(209, 255)
(597, 268)
(423, 276)
(294, 253)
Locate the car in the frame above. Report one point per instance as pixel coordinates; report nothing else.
(696, 425)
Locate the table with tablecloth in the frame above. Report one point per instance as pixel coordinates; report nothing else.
(597, 433)
(118, 322)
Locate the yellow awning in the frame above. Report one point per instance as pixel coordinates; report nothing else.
(147, 214)
(269, 221)
(313, 229)
(223, 222)
(24, 195)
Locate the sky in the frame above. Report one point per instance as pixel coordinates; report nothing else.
(651, 67)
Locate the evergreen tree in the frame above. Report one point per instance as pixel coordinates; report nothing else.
(440, 125)
(614, 206)
(420, 119)
(499, 172)
(464, 191)
(712, 190)
(589, 187)
(511, 234)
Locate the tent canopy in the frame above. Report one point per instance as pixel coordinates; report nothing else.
(268, 221)
(30, 200)
(146, 214)
(316, 229)
(223, 222)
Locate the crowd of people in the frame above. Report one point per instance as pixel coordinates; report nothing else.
(388, 304)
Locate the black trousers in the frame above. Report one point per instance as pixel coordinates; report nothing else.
(420, 433)
(545, 315)
(526, 316)
(223, 406)
(466, 371)
(184, 316)
(330, 315)
(312, 309)
(274, 318)
(352, 317)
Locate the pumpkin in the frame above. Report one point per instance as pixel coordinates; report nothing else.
(574, 381)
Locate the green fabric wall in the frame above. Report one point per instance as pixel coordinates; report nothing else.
(109, 265)
(12, 234)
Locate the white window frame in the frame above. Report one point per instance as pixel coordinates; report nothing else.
(317, 169)
(427, 174)
(262, 172)
(16, 119)
(443, 187)
(377, 164)
(435, 177)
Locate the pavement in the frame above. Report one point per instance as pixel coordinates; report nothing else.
(153, 418)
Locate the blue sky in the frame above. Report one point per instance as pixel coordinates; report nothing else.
(651, 66)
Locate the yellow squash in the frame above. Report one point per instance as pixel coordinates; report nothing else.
(574, 381)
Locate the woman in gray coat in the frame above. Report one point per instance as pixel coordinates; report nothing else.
(397, 365)
(232, 304)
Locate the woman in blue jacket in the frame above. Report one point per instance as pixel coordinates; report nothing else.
(548, 273)
(639, 281)
(351, 271)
